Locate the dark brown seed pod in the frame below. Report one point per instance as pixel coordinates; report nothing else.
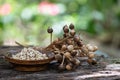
(72, 32)
(58, 57)
(71, 26)
(94, 62)
(79, 43)
(81, 54)
(76, 38)
(49, 30)
(65, 29)
(91, 61)
(73, 53)
(65, 35)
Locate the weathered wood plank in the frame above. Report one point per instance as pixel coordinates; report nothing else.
(84, 72)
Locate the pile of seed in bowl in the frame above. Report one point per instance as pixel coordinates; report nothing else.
(29, 54)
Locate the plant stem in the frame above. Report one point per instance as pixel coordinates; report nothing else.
(51, 38)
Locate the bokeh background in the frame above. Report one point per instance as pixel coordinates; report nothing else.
(26, 21)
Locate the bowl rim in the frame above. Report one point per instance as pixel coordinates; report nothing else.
(29, 62)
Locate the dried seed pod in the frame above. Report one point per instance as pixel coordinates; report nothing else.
(71, 26)
(81, 54)
(90, 47)
(79, 43)
(76, 38)
(91, 61)
(58, 57)
(91, 55)
(72, 60)
(67, 55)
(94, 62)
(55, 41)
(49, 30)
(70, 47)
(84, 50)
(69, 66)
(69, 42)
(74, 52)
(64, 47)
(95, 48)
(65, 29)
(65, 35)
(72, 32)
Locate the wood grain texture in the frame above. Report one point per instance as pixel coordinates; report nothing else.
(98, 72)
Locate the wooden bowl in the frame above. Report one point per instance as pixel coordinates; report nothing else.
(29, 65)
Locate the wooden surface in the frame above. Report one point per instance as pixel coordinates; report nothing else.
(84, 72)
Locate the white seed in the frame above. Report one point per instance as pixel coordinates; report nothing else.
(29, 54)
(45, 57)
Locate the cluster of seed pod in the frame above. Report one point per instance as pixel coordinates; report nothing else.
(69, 49)
(29, 54)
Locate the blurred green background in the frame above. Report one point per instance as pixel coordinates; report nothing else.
(26, 21)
